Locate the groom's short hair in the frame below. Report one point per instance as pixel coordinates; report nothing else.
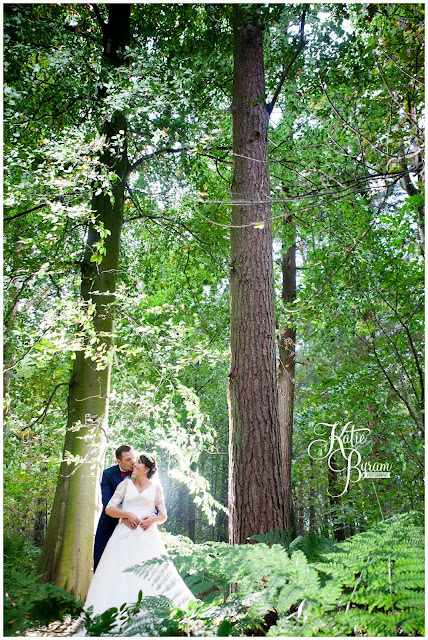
(121, 450)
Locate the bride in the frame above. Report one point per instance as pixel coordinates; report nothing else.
(111, 586)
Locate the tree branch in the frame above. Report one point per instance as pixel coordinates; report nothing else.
(160, 152)
(398, 355)
(43, 416)
(173, 226)
(408, 185)
(24, 213)
(414, 78)
(349, 126)
(413, 415)
(412, 347)
(98, 15)
(15, 300)
(394, 98)
(149, 156)
(286, 71)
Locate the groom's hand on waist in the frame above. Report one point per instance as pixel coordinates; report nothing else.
(129, 524)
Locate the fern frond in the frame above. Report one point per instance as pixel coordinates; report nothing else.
(368, 585)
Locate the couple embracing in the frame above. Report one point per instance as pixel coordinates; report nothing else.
(127, 535)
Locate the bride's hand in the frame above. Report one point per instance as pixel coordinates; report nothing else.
(133, 520)
(129, 524)
(147, 521)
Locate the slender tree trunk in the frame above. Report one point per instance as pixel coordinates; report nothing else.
(300, 500)
(301, 525)
(66, 558)
(15, 288)
(339, 527)
(286, 380)
(39, 523)
(256, 484)
(181, 507)
(191, 512)
(223, 519)
(312, 485)
(214, 475)
(192, 507)
(411, 190)
(7, 360)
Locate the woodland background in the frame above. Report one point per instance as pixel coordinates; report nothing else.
(140, 133)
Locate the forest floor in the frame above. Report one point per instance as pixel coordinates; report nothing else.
(55, 628)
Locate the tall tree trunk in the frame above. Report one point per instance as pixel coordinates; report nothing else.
(214, 476)
(222, 518)
(16, 287)
(39, 523)
(301, 526)
(66, 558)
(300, 500)
(410, 188)
(181, 502)
(312, 487)
(286, 380)
(339, 526)
(191, 513)
(256, 484)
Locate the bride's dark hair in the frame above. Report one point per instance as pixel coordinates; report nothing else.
(150, 461)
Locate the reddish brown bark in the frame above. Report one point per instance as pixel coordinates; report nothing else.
(256, 486)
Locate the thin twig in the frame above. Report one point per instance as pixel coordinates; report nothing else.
(346, 123)
(380, 508)
(15, 300)
(393, 387)
(98, 16)
(401, 69)
(412, 345)
(43, 415)
(160, 152)
(286, 71)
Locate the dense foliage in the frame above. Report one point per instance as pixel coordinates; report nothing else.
(371, 584)
(346, 166)
(28, 603)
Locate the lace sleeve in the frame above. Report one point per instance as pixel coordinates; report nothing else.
(160, 501)
(119, 495)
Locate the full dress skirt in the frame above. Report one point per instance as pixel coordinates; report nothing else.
(111, 585)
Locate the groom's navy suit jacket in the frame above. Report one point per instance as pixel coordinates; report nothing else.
(111, 478)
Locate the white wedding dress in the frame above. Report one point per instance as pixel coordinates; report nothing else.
(111, 586)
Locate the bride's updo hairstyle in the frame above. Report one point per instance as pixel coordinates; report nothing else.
(150, 461)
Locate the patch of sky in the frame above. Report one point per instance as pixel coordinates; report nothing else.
(275, 117)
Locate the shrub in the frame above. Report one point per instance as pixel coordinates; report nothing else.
(371, 584)
(26, 601)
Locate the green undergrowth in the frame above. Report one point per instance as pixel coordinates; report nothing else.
(27, 602)
(370, 585)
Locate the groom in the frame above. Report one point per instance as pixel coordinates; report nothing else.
(111, 478)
